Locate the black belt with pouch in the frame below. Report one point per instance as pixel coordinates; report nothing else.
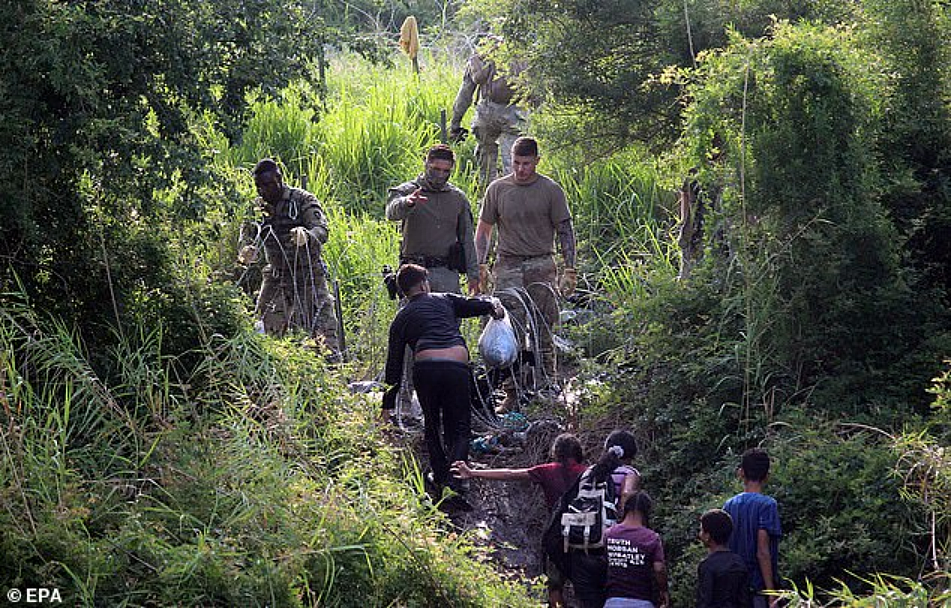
(454, 260)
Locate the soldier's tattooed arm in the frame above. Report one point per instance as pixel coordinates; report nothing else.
(566, 238)
(483, 237)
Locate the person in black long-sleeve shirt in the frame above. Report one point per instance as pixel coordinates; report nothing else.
(429, 324)
(722, 577)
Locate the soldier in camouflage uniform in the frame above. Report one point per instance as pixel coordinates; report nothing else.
(529, 209)
(436, 222)
(294, 293)
(498, 121)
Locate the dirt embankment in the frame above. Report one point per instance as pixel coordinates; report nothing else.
(509, 517)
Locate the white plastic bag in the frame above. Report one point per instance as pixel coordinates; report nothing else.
(497, 344)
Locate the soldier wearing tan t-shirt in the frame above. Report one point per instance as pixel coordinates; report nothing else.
(529, 209)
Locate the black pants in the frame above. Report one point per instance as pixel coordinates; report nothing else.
(443, 390)
(589, 574)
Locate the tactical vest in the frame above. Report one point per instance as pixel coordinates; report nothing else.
(276, 227)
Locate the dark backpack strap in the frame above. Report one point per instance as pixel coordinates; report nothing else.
(552, 540)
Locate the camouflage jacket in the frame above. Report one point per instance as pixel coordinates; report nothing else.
(482, 77)
(297, 207)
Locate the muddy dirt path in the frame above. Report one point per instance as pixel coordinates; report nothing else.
(509, 517)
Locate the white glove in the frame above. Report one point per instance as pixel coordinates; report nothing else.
(300, 236)
(248, 254)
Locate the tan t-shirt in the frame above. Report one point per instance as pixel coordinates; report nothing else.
(526, 214)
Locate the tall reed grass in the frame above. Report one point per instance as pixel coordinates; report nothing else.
(620, 209)
(625, 229)
(254, 480)
(369, 134)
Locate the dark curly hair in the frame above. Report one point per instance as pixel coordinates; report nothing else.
(566, 447)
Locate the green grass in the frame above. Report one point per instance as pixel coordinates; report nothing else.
(368, 135)
(256, 480)
(242, 472)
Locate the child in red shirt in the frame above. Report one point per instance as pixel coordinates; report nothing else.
(554, 477)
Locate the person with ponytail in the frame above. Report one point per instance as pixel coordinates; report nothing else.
(637, 571)
(619, 450)
(587, 569)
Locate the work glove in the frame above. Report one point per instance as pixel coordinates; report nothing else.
(485, 279)
(300, 236)
(247, 255)
(473, 286)
(458, 134)
(569, 280)
(498, 311)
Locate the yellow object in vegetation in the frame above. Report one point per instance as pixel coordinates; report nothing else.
(409, 37)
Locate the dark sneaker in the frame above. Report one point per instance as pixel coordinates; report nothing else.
(459, 486)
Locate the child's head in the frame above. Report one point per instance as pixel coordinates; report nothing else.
(755, 465)
(410, 276)
(624, 440)
(567, 447)
(618, 448)
(718, 525)
(639, 502)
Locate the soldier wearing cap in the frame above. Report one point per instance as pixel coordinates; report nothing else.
(436, 222)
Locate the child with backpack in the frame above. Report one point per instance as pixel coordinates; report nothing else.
(637, 572)
(575, 536)
(722, 579)
(554, 477)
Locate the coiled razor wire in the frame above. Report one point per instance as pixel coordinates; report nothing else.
(535, 323)
(298, 309)
(484, 412)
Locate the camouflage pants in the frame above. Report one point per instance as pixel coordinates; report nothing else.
(298, 301)
(534, 316)
(496, 126)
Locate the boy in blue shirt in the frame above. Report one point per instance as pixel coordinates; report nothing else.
(756, 529)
